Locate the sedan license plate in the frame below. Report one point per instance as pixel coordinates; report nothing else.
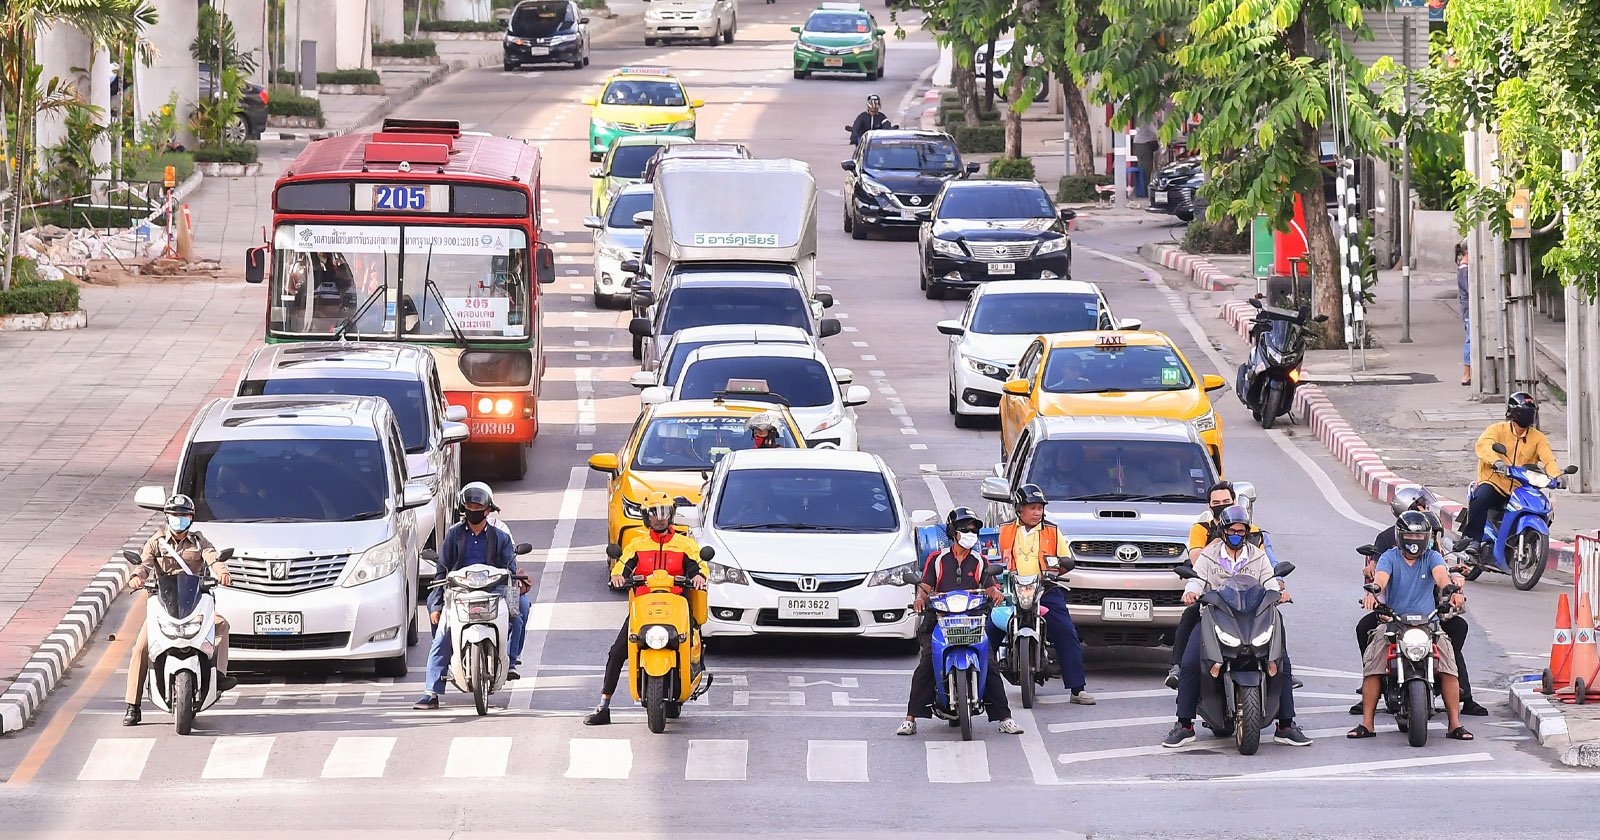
(277, 624)
(1125, 609)
(833, 62)
(808, 609)
(538, 50)
(1158, 197)
(1003, 268)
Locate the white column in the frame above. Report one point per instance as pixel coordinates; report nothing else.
(312, 20)
(388, 18)
(249, 19)
(99, 95)
(354, 45)
(59, 50)
(465, 10)
(173, 69)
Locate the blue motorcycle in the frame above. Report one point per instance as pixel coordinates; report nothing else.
(960, 657)
(1519, 536)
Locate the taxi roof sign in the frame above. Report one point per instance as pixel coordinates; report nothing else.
(643, 71)
(842, 7)
(1106, 341)
(748, 388)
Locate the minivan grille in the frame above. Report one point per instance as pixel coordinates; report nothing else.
(286, 576)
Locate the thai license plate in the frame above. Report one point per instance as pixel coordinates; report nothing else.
(277, 623)
(488, 428)
(1125, 609)
(1158, 197)
(833, 62)
(1003, 268)
(538, 50)
(804, 609)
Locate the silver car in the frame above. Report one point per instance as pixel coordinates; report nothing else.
(618, 239)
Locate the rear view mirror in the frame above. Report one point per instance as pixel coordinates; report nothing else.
(825, 299)
(1130, 324)
(1256, 302)
(606, 462)
(593, 222)
(950, 328)
(415, 496)
(1184, 571)
(544, 262)
(133, 558)
(525, 548)
(597, 172)
(1213, 382)
(455, 413)
(1320, 318)
(1283, 569)
(630, 265)
(1368, 550)
(429, 555)
(644, 218)
(1016, 387)
(1373, 588)
(255, 264)
(639, 327)
(1499, 448)
(614, 551)
(1067, 214)
(847, 165)
(151, 497)
(1066, 564)
(655, 395)
(1246, 489)
(995, 489)
(829, 327)
(972, 168)
(643, 379)
(856, 395)
(1571, 468)
(456, 432)
(690, 518)
(707, 553)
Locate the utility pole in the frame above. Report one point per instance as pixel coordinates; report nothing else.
(1485, 316)
(1583, 376)
(1405, 189)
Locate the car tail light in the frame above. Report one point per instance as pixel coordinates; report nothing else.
(264, 96)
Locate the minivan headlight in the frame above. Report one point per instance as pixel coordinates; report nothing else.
(376, 563)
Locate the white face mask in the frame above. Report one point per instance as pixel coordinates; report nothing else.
(966, 539)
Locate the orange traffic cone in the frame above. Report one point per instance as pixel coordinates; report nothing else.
(1585, 657)
(1559, 674)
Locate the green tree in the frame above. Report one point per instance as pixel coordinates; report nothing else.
(216, 43)
(1052, 34)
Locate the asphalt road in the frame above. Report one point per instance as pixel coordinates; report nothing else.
(796, 738)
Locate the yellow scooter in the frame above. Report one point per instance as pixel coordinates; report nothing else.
(664, 647)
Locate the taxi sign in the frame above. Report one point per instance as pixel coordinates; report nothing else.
(1109, 341)
(643, 71)
(746, 386)
(842, 7)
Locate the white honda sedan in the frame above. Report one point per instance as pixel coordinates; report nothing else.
(808, 542)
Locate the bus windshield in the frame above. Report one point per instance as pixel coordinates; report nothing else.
(405, 282)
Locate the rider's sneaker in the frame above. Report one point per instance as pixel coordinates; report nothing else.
(1083, 698)
(513, 676)
(226, 683)
(132, 716)
(1179, 735)
(1172, 677)
(1010, 727)
(601, 716)
(907, 727)
(1462, 544)
(1290, 736)
(1473, 707)
(428, 702)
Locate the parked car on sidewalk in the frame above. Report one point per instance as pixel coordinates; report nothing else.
(252, 117)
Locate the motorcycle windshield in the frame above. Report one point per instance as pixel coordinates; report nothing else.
(179, 594)
(1243, 594)
(1280, 336)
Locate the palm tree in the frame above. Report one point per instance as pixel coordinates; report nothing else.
(23, 94)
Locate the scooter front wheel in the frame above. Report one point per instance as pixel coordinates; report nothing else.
(1248, 730)
(962, 698)
(655, 703)
(183, 702)
(1024, 659)
(1419, 701)
(1526, 558)
(480, 678)
(1272, 395)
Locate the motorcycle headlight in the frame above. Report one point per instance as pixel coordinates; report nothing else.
(985, 368)
(481, 578)
(631, 509)
(872, 187)
(1262, 638)
(718, 573)
(656, 637)
(833, 419)
(1051, 246)
(904, 574)
(1537, 480)
(947, 247)
(1026, 595)
(376, 563)
(186, 629)
(958, 602)
(1206, 422)
(682, 125)
(1228, 639)
(1415, 644)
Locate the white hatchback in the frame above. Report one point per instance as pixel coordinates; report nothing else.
(808, 542)
(819, 396)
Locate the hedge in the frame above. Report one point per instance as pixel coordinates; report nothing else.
(231, 153)
(85, 218)
(985, 139)
(462, 26)
(293, 105)
(406, 49)
(949, 116)
(1079, 189)
(1011, 169)
(1222, 237)
(349, 77)
(29, 296)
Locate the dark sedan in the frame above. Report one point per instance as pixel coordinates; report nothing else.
(993, 230)
(546, 32)
(1175, 189)
(894, 178)
(252, 117)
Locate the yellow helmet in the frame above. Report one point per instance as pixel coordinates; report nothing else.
(658, 507)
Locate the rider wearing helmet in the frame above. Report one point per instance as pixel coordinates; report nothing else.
(1205, 529)
(871, 119)
(764, 431)
(1032, 546)
(494, 509)
(468, 543)
(1231, 556)
(1524, 444)
(958, 567)
(659, 547)
(175, 549)
(1408, 578)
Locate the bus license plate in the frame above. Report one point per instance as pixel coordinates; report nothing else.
(808, 609)
(480, 428)
(1124, 609)
(277, 624)
(833, 62)
(1002, 268)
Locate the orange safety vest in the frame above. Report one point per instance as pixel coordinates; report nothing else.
(1049, 543)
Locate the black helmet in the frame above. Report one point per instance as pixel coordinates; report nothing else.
(1413, 532)
(1029, 494)
(179, 505)
(1522, 409)
(958, 516)
(477, 493)
(1233, 515)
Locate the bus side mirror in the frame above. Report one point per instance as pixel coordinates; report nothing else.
(544, 263)
(255, 264)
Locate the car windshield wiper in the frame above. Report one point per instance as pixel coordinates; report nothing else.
(369, 514)
(1168, 497)
(1102, 497)
(774, 526)
(261, 519)
(339, 331)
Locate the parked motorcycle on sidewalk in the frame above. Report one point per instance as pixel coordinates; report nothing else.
(666, 668)
(478, 604)
(1413, 657)
(181, 636)
(1269, 377)
(1519, 535)
(1026, 658)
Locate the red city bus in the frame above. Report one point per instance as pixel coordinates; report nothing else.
(420, 233)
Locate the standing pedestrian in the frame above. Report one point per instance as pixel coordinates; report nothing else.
(1466, 313)
(1145, 143)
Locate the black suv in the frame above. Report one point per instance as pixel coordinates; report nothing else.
(894, 178)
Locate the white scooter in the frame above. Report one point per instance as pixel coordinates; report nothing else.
(478, 601)
(181, 636)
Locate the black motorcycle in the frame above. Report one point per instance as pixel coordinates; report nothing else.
(1027, 659)
(1242, 655)
(1408, 687)
(1277, 347)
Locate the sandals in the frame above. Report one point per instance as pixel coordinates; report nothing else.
(1460, 733)
(1361, 731)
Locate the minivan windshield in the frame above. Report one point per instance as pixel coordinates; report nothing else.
(778, 500)
(406, 398)
(1035, 314)
(1121, 470)
(700, 306)
(628, 161)
(310, 480)
(627, 205)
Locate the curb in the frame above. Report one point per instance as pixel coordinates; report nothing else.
(1199, 271)
(1359, 456)
(1536, 711)
(48, 665)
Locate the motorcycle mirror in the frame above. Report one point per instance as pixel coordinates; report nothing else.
(429, 555)
(524, 548)
(1185, 571)
(1571, 468)
(132, 557)
(1368, 550)
(1320, 318)
(707, 553)
(1256, 302)
(225, 555)
(1283, 569)
(1451, 589)
(1499, 448)
(614, 551)
(1373, 588)
(1066, 564)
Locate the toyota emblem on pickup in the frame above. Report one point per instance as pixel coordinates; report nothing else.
(1129, 553)
(808, 583)
(278, 569)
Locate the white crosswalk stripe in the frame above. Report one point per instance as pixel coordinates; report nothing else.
(477, 758)
(717, 761)
(358, 758)
(238, 757)
(836, 761)
(116, 760)
(957, 762)
(599, 758)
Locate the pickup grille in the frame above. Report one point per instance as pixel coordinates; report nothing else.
(1093, 597)
(1102, 554)
(299, 574)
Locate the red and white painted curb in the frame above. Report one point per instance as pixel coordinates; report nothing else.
(1198, 270)
(1353, 450)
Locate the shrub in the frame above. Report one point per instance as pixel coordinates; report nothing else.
(1222, 237)
(85, 218)
(294, 105)
(349, 77)
(30, 295)
(951, 115)
(462, 26)
(984, 139)
(230, 153)
(154, 169)
(285, 77)
(406, 49)
(1079, 189)
(1011, 169)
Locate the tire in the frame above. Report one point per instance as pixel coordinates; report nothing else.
(1547, 683)
(516, 465)
(600, 301)
(509, 66)
(1528, 554)
(638, 347)
(183, 702)
(727, 37)
(932, 290)
(1580, 691)
(1418, 702)
(963, 703)
(480, 679)
(802, 74)
(1271, 399)
(237, 130)
(650, 42)
(1023, 656)
(952, 406)
(655, 703)
(393, 666)
(1248, 731)
(716, 38)
(413, 632)
(849, 218)
(858, 228)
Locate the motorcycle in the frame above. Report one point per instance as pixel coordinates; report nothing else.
(1242, 650)
(1268, 378)
(1519, 534)
(960, 650)
(666, 668)
(478, 603)
(181, 633)
(1027, 659)
(850, 129)
(1409, 685)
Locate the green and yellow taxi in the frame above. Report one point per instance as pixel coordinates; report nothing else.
(639, 100)
(839, 38)
(624, 164)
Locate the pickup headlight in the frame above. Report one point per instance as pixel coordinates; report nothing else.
(376, 563)
(904, 574)
(947, 247)
(683, 125)
(1051, 246)
(1206, 422)
(631, 509)
(871, 187)
(1228, 639)
(1415, 644)
(718, 573)
(183, 629)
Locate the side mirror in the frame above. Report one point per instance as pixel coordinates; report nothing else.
(415, 496)
(1246, 489)
(588, 100)
(605, 462)
(878, 31)
(1213, 382)
(614, 551)
(255, 264)
(993, 570)
(707, 553)
(856, 395)
(794, 29)
(1016, 387)
(995, 489)
(455, 413)
(1571, 468)
(1256, 302)
(594, 222)
(1129, 324)
(597, 172)
(639, 327)
(631, 265)
(1368, 550)
(429, 555)
(544, 263)
(644, 218)
(1320, 318)
(655, 395)
(844, 376)
(829, 327)
(151, 497)
(1184, 571)
(697, 103)
(847, 165)
(1283, 569)
(456, 432)
(972, 168)
(1499, 448)
(950, 328)
(1067, 214)
(643, 297)
(1373, 588)
(643, 379)
(689, 517)
(525, 548)
(583, 20)
(825, 299)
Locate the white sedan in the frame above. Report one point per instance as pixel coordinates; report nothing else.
(820, 397)
(808, 542)
(1000, 321)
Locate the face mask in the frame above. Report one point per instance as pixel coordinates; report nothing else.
(1216, 510)
(1414, 548)
(180, 523)
(475, 517)
(966, 539)
(1233, 540)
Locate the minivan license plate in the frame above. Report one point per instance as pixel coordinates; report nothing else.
(1124, 609)
(1002, 268)
(808, 609)
(277, 624)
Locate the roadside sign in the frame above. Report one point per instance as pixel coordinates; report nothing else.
(1261, 247)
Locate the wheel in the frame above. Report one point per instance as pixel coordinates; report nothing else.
(1547, 683)
(650, 42)
(1023, 656)
(1271, 400)
(963, 703)
(237, 130)
(1418, 703)
(183, 702)
(801, 74)
(413, 632)
(932, 290)
(952, 406)
(1580, 691)
(509, 66)
(638, 347)
(600, 301)
(849, 218)
(716, 38)
(1248, 730)
(480, 679)
(515, 464)
(674, 710)
(858, 228)
(393, 666)
(1527, 559)
(655, 703)
(727, 37)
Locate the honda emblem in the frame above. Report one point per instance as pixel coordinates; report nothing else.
(808, 584)
(278, 569)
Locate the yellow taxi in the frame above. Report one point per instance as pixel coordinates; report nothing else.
(639, 100)
(1136, 373)
(672, 448)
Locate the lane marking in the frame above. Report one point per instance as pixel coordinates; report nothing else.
(555, 561)
(836, 761)
(599, 758)
(477, 757)
(355, 757)
(957, 762)
(1204, 743)
(717, 761)
(1033, 748)
(941, 496)
(238, 757)
(1364, 767)
(1156, 720)
(116, 760)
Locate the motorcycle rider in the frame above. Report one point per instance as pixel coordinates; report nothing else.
(1024, 546)
(470, 542)
(1205, 531)
(764, 431)
(958, 567)
(174, 549)
(660, 547)
(1408, 575)
(1232, 555)
(1524, 444)
(871, 119)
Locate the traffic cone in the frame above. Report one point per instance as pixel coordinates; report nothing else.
(1585, 657)
(1559, 674)
(185, 234)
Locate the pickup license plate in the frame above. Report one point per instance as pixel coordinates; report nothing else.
(277, 623)
(1158, 197)
(538, 50)
(1003, 268)
(808, 609)
(833, 62)
(1124, 609)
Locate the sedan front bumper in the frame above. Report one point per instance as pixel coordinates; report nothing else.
(368, 621)
(753, 610)
(544, 53)
(806, 61)
(967, 272)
